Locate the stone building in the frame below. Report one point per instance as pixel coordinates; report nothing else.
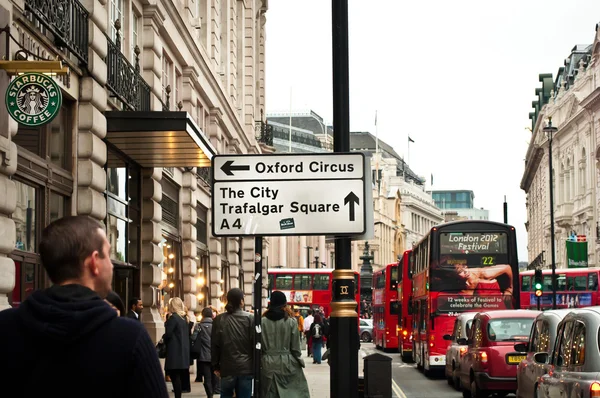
(154, 88)
(571, 99)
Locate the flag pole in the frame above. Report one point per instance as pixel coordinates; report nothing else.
(290, 130)
(377, 155)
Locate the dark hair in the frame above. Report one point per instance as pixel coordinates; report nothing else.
(115, 300)
(310, 312)
(234, 299)
(207, 312)
(133, 301)
(318, 319)
(65, 245)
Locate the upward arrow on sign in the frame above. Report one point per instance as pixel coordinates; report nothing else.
(351, 199)
(228, 167)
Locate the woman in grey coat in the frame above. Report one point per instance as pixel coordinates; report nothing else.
(281, 373)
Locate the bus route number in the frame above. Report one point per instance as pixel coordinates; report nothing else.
(487, 260)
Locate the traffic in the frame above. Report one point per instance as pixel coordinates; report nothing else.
(468, 315)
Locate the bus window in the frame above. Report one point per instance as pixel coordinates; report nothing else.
(380, 284)
(302, 282)
(283, 281)
(394, 307)
(321, 282)
(593, 282)
(577, 283)
(393, 278)
(526, 283)
(400, 270)
(271, 281)
(561, 283)
(548, 283)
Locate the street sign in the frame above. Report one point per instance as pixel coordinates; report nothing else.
(276, 195)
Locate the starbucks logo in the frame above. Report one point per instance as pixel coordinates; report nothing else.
(33, 99)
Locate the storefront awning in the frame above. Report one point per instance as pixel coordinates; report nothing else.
(159, 139)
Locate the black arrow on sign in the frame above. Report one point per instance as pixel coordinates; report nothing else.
(228, 167)
(352, 199)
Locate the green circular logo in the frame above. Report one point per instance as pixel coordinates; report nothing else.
(33, 99)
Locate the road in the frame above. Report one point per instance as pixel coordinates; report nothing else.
(408, 382)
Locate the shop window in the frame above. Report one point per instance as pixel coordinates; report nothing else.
(203, 280)
(201, 225)
(170, 206)
(25, 217)
(170, 265)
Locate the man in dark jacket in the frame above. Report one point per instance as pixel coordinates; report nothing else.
(232, 351)
(202, 346)
(135, 308)
(66, 340)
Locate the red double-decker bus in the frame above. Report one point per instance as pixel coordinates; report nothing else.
(457, 267)
(575, 288)
(385, 307)
(405, 308)
(307, 288)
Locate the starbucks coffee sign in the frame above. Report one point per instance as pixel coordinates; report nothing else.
(33, 99)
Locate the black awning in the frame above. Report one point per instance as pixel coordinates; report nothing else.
(159, 139)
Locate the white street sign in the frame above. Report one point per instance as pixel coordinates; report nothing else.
(329, 166)
(274, 208)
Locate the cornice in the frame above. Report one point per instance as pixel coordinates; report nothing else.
(155, 14)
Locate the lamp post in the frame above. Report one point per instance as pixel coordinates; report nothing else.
(550, 130)
(316, 257)
(308, 256)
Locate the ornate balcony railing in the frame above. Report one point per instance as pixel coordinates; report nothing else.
(264, 133)
(67, 20)
(124, 80)
(203, 173)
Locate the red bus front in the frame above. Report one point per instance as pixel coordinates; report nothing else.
(405, 309)
(575, 288)
(458, 267)
(385, 307)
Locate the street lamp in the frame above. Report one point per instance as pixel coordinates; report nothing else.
(308, 255)
(550, 130)
(317, 257)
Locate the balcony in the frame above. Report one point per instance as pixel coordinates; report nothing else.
(564, 215)
(124, 80)
(66, 20)
(203, 174)
(264, 133)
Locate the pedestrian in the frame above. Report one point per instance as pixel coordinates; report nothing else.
(307, 322)
(65, 340)
(299, 321)
(281, 365)
(201, 338)
(177, 340)
(232, 347)
(135, 309)
(114, 300)
(317, 333)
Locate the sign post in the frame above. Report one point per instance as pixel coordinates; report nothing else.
(257, 300)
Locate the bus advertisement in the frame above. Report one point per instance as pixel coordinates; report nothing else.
(575, 288)
(307, 288)
(405, 308)
(458, 267)
(385, 307)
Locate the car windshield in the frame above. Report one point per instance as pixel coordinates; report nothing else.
(509, 329)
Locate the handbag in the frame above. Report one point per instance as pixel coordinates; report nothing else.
(161, 349)
(195, 348)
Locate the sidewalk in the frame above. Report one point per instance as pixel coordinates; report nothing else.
(316, 375)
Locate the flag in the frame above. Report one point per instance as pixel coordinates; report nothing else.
(410, 139)
(375, 118)
(432, 179)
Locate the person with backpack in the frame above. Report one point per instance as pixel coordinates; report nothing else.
(317, 333)
(201, 346)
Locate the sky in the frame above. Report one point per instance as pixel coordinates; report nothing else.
(458, 77)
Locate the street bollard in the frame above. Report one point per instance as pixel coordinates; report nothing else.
(378, 376)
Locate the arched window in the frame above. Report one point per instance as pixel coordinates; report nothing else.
(583, 171)
(560, 188)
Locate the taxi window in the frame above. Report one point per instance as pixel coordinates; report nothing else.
(457, 330)
(544, 339)
(564, 349)
(578, 347)
(534, 338)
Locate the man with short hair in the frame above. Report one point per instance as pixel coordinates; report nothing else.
(66, 340)
(135, 309)
(307, 322)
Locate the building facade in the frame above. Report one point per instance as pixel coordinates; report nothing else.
(571, 100)
(153, 90)
(459, 205)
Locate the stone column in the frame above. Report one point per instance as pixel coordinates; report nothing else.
(91, 149)
(248, 264)
(188, 238)
(283, 251)
(214, 250)
(152, 256)
(233, 246)
(152, 53)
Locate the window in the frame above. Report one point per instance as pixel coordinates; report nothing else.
(394, 308)
(544, 341)
(525, 283)
(167, 78)
(393, 278)
(170, 206)
(547, 282)
(135, 21)
(24, 217)
(509, 329)
(321, 282)
(116, 13)
(561, 283)
(380, 281)
(201, 225)
(564, 349)
(593, 282)
(578, 347)
(577, 283)
(283, 281)
(583, 171)
(178, 88)
(456, 332)
(302, 282)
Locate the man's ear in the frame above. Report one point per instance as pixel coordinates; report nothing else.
(92, 263)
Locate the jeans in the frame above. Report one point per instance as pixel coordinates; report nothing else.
(316, 350)
(242, 385)
(210, 378)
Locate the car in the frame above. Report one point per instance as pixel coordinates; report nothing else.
(455, 351)
(490, 364)
(541, 339)
(574, 364)
(366, 330)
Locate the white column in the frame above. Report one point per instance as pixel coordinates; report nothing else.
(283, 251)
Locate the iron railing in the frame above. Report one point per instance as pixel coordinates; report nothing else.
(264, 133)
(67, 20)
(203, 173)
(124, 80)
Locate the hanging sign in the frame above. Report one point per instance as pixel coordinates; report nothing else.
(33, 99)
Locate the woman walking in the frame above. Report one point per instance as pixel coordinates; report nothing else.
(177, 339)
(317, 333)
(282, 374)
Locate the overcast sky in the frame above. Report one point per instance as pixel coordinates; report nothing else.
(457, 76)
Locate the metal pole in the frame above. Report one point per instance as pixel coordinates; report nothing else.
(553, 255)
(257, 301)
(505, 211)
(344, 318)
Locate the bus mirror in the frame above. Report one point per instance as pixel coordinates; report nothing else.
(462, 341)
(447, 337)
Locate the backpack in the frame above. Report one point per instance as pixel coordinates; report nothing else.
(317, 331)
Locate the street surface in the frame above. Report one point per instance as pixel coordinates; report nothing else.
(408, 382)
